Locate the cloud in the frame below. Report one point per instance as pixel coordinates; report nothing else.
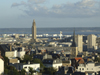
(84, 8)
(37, 1)
(86, 3)
(18, 4)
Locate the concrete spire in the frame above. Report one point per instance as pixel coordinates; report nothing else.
(34, 24)
(34, 20)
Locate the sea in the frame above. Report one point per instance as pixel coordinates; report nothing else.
(65, 30)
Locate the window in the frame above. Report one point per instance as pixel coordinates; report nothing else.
(87, 68)
(25, 67)
(82, 68)
(19, 68)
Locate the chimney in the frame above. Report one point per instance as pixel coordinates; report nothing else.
(28, 62)
(0, 53)
(10, 47)
(18, 61)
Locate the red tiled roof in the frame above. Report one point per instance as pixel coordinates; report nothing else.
(78, 58)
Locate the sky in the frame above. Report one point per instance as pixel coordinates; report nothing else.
(49, 13)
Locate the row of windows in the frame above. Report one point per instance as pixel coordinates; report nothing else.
(83, 69)
(26, 67)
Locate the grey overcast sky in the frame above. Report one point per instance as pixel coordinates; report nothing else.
(49, 13)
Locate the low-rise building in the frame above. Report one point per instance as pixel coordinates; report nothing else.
(1, 64)
(15, 53)
(20, 66)
(89, 67)
(55, 63)
(41, 57)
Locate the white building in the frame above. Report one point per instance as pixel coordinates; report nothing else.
(15, 53)
(20, 66)
(1, 64)
(90, 67)
(91, 45)
(79, 43)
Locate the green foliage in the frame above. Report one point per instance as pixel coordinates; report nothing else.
(27, 58)
(38, 61)
(31, 71)
(5, 61)
(13, 71)
(22, 72)
(10, 70)
(6, 71)
(50, 71)
(17, 44)
(97, 59)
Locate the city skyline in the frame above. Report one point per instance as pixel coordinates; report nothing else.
(50, 13)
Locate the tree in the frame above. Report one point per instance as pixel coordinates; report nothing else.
(38, 61)
(50, 71)
(6, 71)
(97, 59)
(27, 58)
(22, 72)
(5, 61)
(13, 72)
(31, 71)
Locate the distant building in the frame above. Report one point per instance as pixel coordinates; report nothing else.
(76, 61)
(79, 43)
(91, 45)
(15, 53)
(34, 31)
(89, 67)
(1, 64)
(16, 36)
(13, 60)
(4, 48)
(55, 63)
(41, 57)
(74, 51)
(20, 66)
(98, 42)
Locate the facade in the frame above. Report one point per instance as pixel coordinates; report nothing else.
(98, 42)
(76, 61)
(34, 31)
(89, 67)
(41, 57)
(91, 45)
(79, 43)
(20, 66)
(4, 48)
(55, 63)
(15, 53)
(13, 60)
(1, 64)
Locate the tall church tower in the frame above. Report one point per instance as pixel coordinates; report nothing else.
(34, 31)
(74, 51)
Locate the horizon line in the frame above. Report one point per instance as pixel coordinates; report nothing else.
(52, 27)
